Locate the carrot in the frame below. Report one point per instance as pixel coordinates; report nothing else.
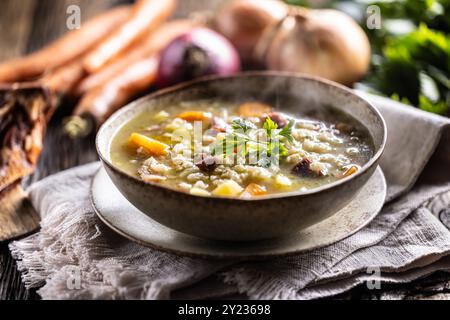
(350, 171)
(153, 43)
(150, 145)
(146, 16)
(101, 102)
(64, 50)
(64, 80)
(254, 189)
(194, 115)
(253, 109)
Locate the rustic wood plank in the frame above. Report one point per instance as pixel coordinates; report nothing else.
(15, 26)
(11, 286)
(17, 216)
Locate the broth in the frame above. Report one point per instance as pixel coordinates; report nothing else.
(218, 148)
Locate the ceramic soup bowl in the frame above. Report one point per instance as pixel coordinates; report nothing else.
(239, 219)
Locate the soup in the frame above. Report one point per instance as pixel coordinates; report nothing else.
(242, 150)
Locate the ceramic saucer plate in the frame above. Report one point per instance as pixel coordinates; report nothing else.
(121, 216)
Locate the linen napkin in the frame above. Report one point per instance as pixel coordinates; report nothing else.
(75, 256)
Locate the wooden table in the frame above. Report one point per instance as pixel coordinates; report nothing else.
(26, 25)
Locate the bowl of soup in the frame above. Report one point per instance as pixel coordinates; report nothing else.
(248, 157)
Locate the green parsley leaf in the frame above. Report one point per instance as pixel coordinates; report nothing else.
(269, 126)
(242, 124)
(245, 146)
(287, 131)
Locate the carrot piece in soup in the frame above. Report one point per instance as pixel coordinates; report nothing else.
(254, 189)
(254, 109)
(152, 146)
(194, 116)
(350, 171)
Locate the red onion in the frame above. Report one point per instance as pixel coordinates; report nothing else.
(196, 53)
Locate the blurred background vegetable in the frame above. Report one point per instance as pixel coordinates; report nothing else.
(325, 43)
(410, 50)
(245, 22)
(270, 34)
(196, 53)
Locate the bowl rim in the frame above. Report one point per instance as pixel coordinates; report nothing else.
(185, 85)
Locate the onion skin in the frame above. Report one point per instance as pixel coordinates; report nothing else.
(324, 43)
(196, 53)
(243, 22)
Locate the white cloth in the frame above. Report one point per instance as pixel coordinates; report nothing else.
(75, 256)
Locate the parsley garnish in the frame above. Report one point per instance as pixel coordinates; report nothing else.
(240, 142)
(242, 124)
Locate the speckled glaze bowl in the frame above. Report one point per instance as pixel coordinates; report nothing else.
(238, 219)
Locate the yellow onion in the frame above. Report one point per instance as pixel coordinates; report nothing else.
(243, 22)
(325, 43)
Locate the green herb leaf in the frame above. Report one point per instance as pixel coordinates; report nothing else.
(264, 162)
(243, 145)
(287, 131)
(269, 126)
(242, 124)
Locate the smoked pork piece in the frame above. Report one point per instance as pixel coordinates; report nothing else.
(24, 112)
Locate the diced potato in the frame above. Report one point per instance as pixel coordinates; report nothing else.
(194, 116)
(254, 109)
(228, 188)
(282, 181)
(161, 116)
(199, 192)
(254, 189)
(150, 145)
